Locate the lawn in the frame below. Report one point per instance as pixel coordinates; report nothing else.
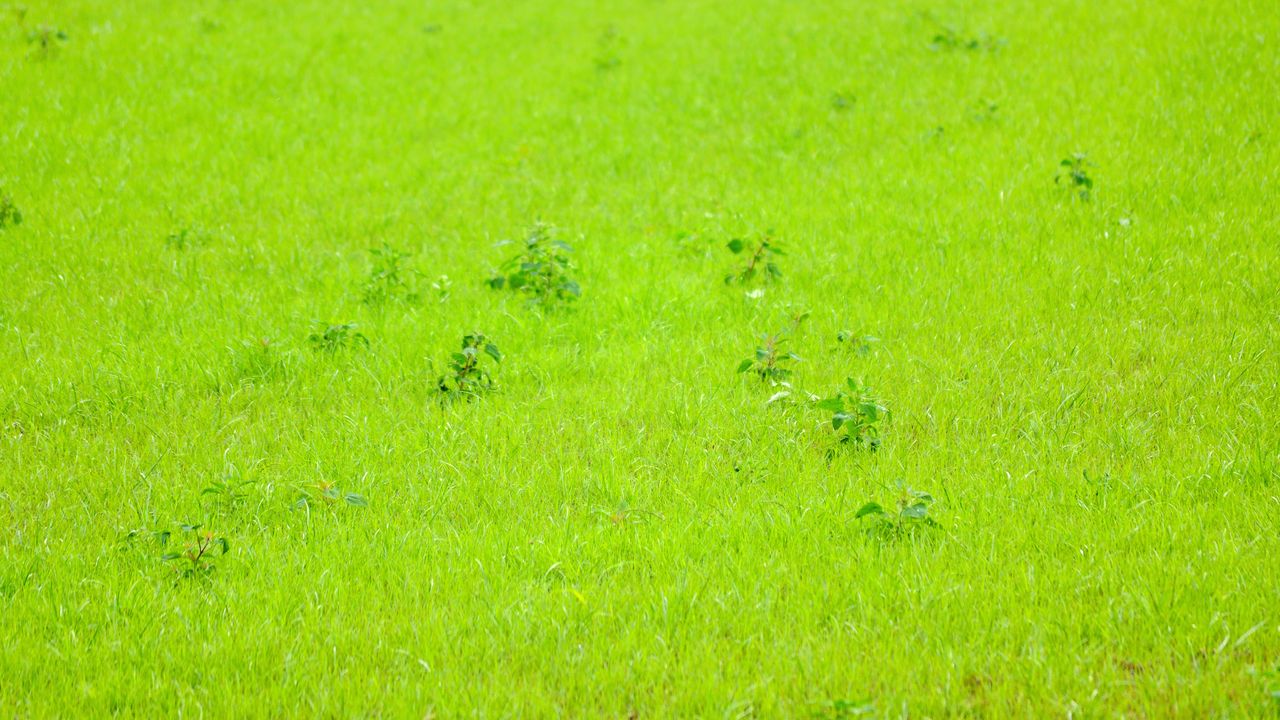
(1035, 244)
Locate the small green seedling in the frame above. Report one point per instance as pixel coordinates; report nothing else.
(185, 239)
(856, 415)
(257, 361)
(910, 516)
(196, 558)
(1075, 175)
(227, 492)
(466, 377)
(852, 342)
(949, 39)
(842, 101)
(607, 57)
(542, 270)
(328, 494)
(762, 260)
(845, 710)
(332, 338)
(9, 212)
(443, 287)
(388, 278)
(772, 363)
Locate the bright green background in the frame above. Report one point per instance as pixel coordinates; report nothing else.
(1090, 389)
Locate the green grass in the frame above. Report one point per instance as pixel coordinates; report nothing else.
(1089, 389)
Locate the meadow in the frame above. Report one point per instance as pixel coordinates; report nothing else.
(640, 358)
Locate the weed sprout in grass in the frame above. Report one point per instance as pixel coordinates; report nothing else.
(909, 516)
(950, 39)
(542, 270)
(197, 556)
(466, 376)
(388, 278)
(854, 343)
(187, 238)
(228, 491)
(771, 362)
(1075, 175)
(332, 338)
(856, 415)
(329, 495)
(842, 101)
(761, 260)
(9, 212)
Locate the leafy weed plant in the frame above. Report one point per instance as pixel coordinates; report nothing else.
(851, 342)
(327, 494)
(761, 260)
(9, 212)
(1074, 174)
(908, 516)
(333, 338)
(466, 376)
(388, 278)
(856, 415)
(771, 361)
(197, 556)
(542, 270)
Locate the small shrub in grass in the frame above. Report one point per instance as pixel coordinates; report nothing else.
(466, 376)
(542, 270)
(227, 492)
(856, 415)
(842, 101)
(9, 212)
(327, 494)
(46, 39)
(762, 256)
(1075, 175)
(771, 361)
(197, 556)
(852, 342)
(333, 338)
(950, 39)
(607, 57)
(845, 710)
(909, 515)
(388, 278)
(187, 238)
(442, 287)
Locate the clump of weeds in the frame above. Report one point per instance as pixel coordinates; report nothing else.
(442, 287)
(388, 279)
(762, 260)
(843, 101)
(334, 338)
(9, 212)
(196, 559)
(228, 492)
(855, 344)
(607, 57)
(256, 361)
(46, 40)
(327, 494)
(187, 238)
(1074, 174)
(466, 375)
(907, 516)
(542, 270)
(857, 415)
(948, 38)
(771, 361)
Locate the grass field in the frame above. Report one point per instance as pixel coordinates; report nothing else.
(1079, 362)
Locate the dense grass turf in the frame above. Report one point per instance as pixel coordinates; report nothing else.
(1088, 388)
